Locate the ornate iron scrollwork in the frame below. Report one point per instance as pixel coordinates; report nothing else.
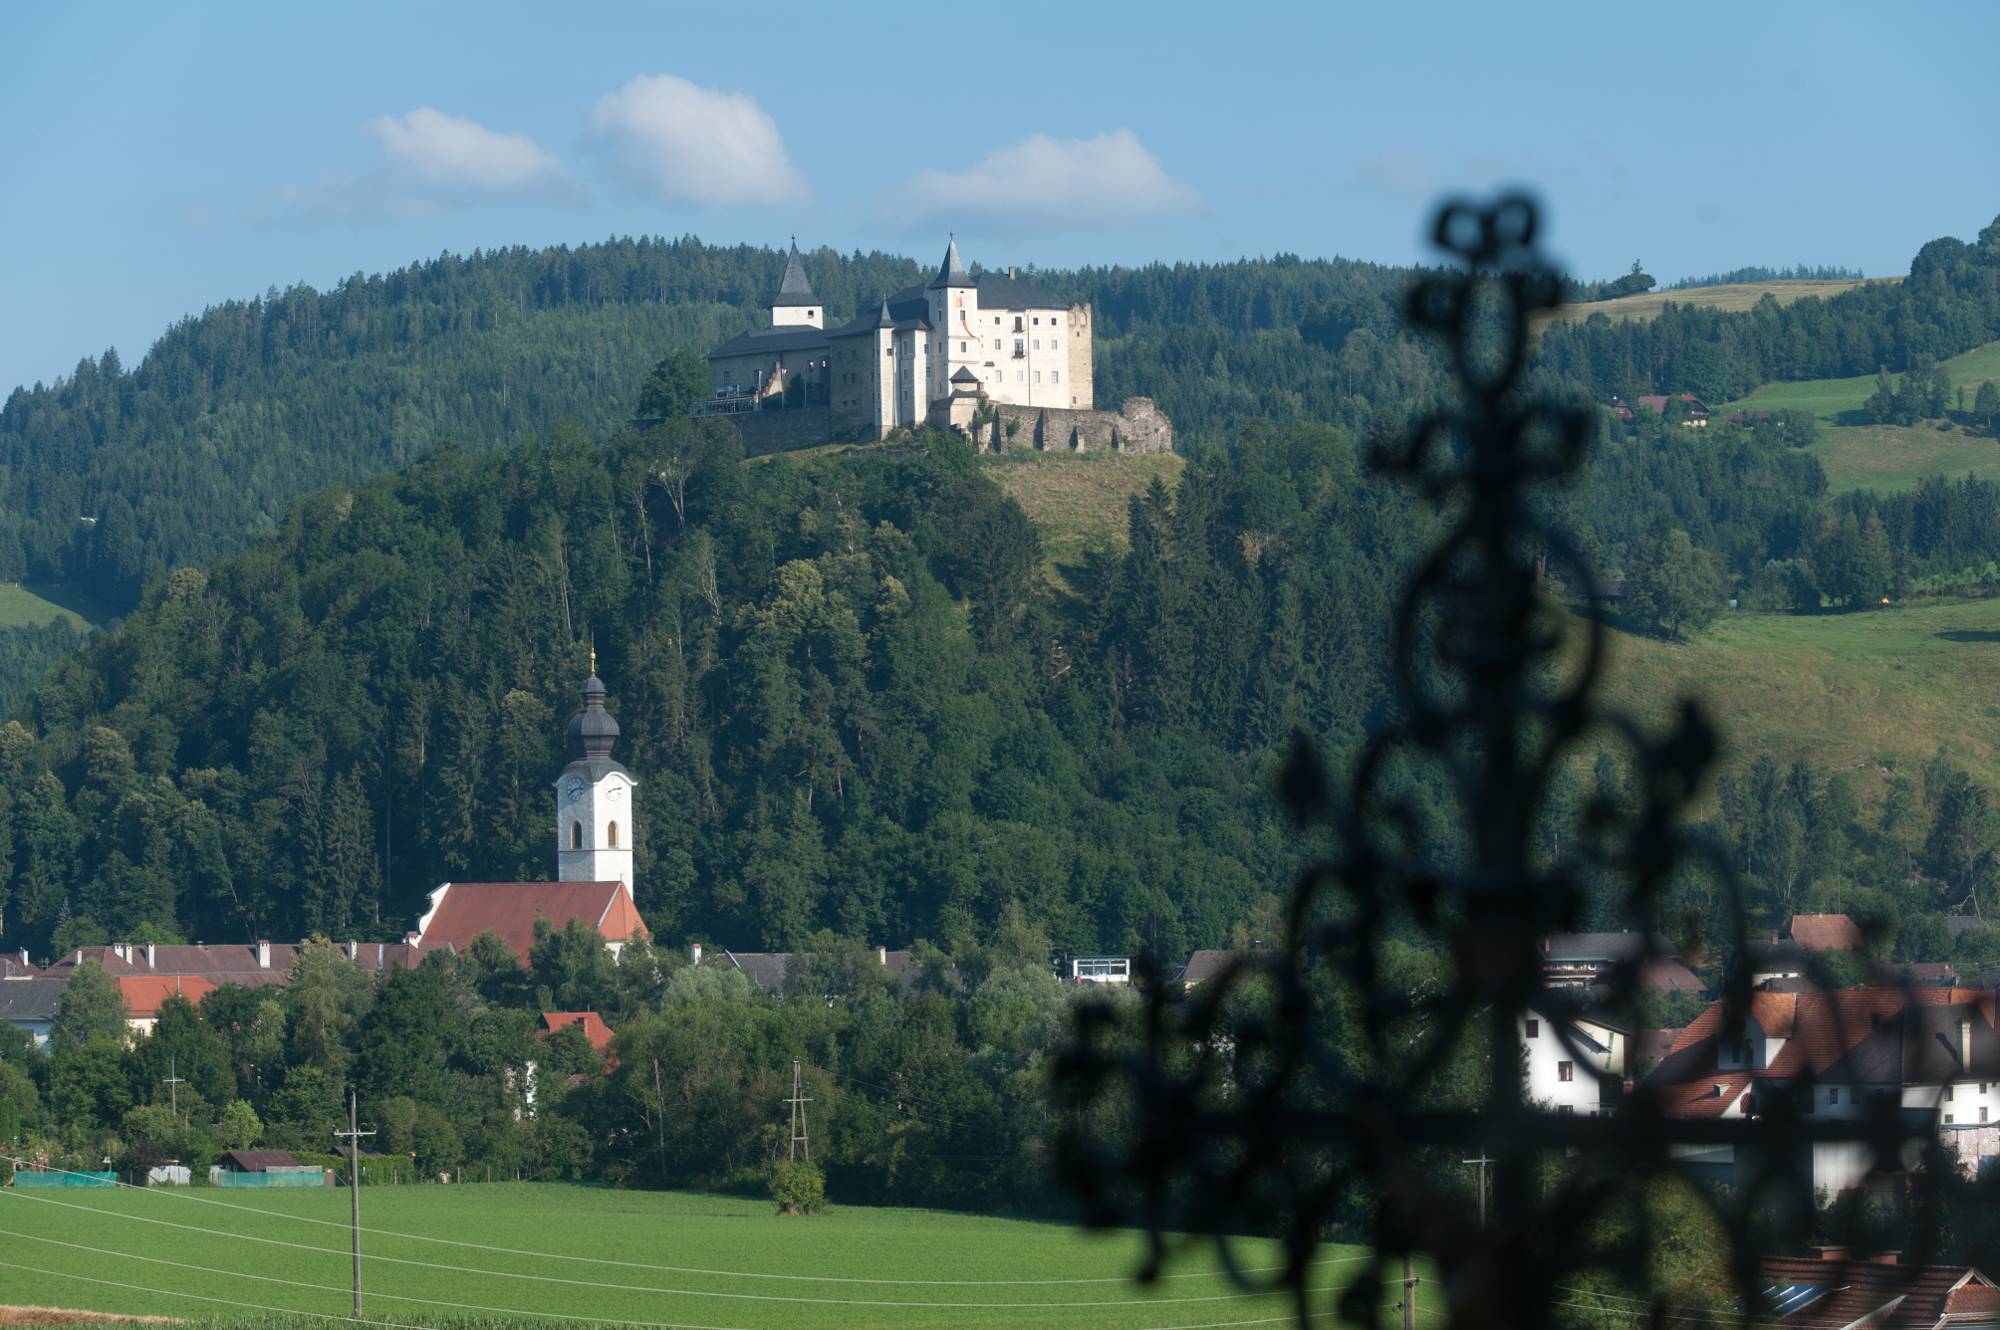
(1306, 1090)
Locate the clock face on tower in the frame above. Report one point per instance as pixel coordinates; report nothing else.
(572, 789)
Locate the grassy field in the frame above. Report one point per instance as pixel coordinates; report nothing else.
(22, 608)
(1850, 691)
(1733, 297)
(658, 1259)
(1860, 455)
(1078, 500)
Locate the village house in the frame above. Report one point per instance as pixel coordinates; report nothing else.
(31, 1003)
(1692, 410)
(1594, 961)
(145, 994)
(1575, 1062)
(1932, 1053)
(1835, 1289)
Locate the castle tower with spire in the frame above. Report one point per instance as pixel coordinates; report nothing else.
(795, 305)
(595, 819)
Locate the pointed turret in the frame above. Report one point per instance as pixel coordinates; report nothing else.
(952, 271)
(795, 303)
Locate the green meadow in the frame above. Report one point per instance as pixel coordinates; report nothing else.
(524, 1254)
(1860, 692)
(1861, 455)
(22, 608)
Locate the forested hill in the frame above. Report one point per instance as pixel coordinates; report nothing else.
(111, 476)
(848, 698)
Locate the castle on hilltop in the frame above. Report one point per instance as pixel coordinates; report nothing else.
(993, 356)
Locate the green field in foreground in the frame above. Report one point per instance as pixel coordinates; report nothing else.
(1860, 455)
(1849, 691)
(661, 1259)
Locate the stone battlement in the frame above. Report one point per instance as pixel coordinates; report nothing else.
(1138, 426)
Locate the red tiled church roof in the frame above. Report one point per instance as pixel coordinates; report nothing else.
(464, 910)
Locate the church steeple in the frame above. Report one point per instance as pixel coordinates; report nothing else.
(595, 817)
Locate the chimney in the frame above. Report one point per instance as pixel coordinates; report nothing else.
(122, 950)
(263, 954)
(380, 949)
(1012, 272)
(694, 954)
(152, 955)
(1833, 1253)
(1886, 1258)
(882, 955)
(353, 950)
(24, 959)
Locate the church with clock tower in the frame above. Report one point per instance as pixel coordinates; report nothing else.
(596, 832)
(594, 798)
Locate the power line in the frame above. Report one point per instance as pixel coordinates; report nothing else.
(660, 1269)
(672, 1292)
(353, 1135)
(403, 1325)
(800, 1140)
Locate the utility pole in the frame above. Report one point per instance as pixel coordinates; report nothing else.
(353, 1134)
(174, 1084)
(1482, 1162)
(1409, 1293)
(801, 1143)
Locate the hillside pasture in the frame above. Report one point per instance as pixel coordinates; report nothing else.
(531, 1254)
(1079, 501)
(1853, 692)
(21, 607)
(1859, 454)
(1734, 296)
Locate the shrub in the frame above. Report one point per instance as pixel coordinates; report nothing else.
(798, 1187)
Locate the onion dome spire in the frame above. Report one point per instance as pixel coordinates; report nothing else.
(592, 731)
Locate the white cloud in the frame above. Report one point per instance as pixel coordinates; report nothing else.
(434, 151)
(695, 144)
(1110, 177)
(427, 160)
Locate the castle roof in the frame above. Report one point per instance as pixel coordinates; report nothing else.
(952, 271)
(771, 341)
(794, 289)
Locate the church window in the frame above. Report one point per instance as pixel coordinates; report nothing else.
(576, 835)
(614, 835)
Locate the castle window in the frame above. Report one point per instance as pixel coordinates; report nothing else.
(1055, 376)
(1054, 345)
(1038, 344)
(1038, 376)
(1020, 376)
(961, 348)
(996, 341)
(614, 835)
(576, 835)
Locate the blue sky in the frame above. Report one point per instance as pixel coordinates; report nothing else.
(161, 159)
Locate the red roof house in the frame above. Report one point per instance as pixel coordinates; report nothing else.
(146, 993)
(1836, 1290)
(595, 1031)
(1824, 932)
(461, 911)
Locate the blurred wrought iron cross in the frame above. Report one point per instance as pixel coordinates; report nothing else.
(1310, 1090)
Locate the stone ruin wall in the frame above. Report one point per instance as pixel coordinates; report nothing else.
(1137, 427)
